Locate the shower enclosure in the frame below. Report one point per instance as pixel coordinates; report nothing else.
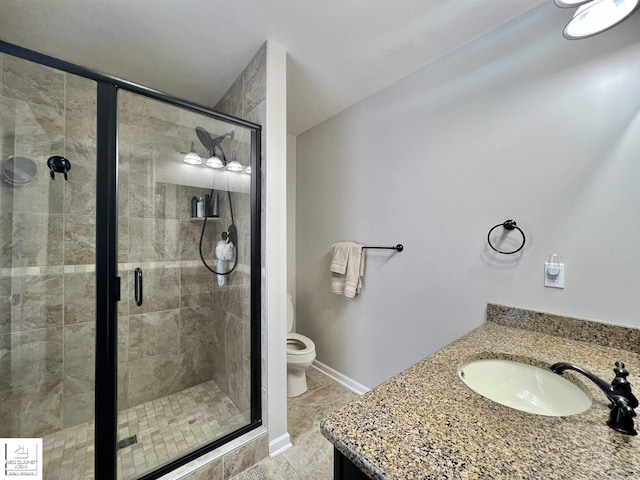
(118, 346)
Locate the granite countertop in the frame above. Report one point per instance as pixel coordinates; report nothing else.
(426, 423)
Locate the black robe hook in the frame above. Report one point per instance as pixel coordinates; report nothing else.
(58, 164)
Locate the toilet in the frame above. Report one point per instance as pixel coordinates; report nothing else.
(301, 351)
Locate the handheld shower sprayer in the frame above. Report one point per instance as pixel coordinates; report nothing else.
(230, 236)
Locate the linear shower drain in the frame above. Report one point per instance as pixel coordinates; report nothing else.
(126, 442)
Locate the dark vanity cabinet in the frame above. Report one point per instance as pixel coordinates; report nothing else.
(344, 469)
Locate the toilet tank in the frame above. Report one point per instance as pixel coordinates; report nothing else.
(289, 314)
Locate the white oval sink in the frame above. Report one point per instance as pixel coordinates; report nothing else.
(525, 387)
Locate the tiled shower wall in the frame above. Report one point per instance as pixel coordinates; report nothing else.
(46, 250)
(188, 329)
(246, 99)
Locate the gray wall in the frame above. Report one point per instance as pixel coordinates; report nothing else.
(518, 124)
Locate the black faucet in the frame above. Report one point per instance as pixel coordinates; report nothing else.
(619, 393)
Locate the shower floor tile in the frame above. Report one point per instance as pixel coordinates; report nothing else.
(165, 428)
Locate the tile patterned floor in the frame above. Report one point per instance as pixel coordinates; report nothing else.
(311, 457)
(165, 428)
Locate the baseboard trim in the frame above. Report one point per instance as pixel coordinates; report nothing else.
(279, 445)
(350, 383)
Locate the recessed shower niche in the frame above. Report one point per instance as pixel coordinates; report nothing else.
(118, 346)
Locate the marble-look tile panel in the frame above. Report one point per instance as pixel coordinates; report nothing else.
(153, 240)
(149, 199)
(82, 101)
(5, 304)
(258, 115)
(243, 224)
(80, 189)
(78, 398)
(79, 348)
(32, 302)
(35, 131)
(6, 238)
(569, 327)
(123, 386)
(238, 300)
(30, 239)
(232, 101)
(123, 338)
(124, 142)
(245, 456)
(254, 81)
(196, 285)
(150, 150)
(79, 239)
(123, 239)
(209, 471)
(80, 145)
(31, 131)
(30, 357)
(32, 83)
(196, 344)
(153, 377)
(189, 238)
(31, 411)
(154, 115)
(79, 297)
(124, 105)
(219, 343)
(40, 196)
(154, 333)
(235, 331)
(161, 290)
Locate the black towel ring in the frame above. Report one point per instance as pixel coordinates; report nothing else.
(509, 225)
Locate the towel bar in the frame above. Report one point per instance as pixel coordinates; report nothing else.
(398, 248)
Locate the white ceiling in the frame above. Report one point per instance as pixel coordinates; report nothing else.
(340, 51)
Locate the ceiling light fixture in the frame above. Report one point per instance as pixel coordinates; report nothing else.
(234, 165)
(595, 16)
(192, 158)
(570, 3)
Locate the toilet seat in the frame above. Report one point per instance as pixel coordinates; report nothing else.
(303, 345)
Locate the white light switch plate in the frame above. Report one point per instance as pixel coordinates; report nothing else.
(556, 281)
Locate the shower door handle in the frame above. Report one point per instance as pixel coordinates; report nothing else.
(138, 286)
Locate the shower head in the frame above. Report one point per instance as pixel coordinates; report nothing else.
(208, 141)
(19, 171)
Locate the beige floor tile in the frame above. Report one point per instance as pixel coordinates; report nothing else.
(311, 457)
(165, 429)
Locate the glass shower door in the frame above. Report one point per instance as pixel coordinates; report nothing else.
(184, 348)
(47, 263)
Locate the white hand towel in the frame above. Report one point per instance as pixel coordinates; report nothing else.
(347, 268)
(355, 270)
(340, 257)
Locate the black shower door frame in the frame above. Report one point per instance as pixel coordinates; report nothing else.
(107, 279)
